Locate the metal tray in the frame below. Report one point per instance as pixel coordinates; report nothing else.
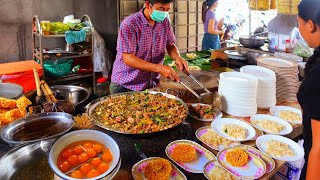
(62, 118)
(91, 106)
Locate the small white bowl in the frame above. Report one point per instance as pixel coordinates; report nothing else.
(80, 135)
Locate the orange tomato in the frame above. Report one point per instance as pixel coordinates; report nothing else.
(97, 147)
(67, 153)
(82, 158)
(103, 168)
(85, 168)
(64, 166)
(77, 150)
(95, 162)
(77, 174)
(107, 156)
(91, 152)
(93, 173)
(88, 145)
(73, 160)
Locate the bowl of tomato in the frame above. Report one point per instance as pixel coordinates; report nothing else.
(84, 154)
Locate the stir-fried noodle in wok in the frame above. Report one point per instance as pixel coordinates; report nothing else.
(140, 113)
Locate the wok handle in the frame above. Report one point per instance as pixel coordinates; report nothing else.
(196, 80)
(191, 90)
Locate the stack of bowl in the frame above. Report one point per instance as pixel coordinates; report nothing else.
(287, 75)
(266, 94)
(238, 93)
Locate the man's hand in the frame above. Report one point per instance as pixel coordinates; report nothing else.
(182, 64)
(168, 73)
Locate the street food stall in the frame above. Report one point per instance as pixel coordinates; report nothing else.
(235, 115)
(165, 123)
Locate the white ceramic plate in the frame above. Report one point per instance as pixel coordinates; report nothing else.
(204, 130)
(217, 126)
(254, 169)
(139, 168)
(217, 111)
(276, 109)
(195, 166)
(297, 149)
(258, 117)
(270, 164)
(209, 167)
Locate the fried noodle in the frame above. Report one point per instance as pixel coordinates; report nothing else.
(140, 113)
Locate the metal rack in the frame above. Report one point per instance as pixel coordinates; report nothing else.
(43, 57)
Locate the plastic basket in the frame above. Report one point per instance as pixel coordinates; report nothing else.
(57, 68)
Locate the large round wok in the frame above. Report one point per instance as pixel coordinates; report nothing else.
(91, 107)
(252, 41)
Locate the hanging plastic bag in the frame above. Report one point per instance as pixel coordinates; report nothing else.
(301, 46)
(102, 56)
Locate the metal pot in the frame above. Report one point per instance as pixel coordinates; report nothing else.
(252, 41)
(75, 94)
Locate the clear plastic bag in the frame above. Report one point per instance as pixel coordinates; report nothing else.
(301, 47)
(102, 56)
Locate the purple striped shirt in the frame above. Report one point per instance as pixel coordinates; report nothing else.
(137, 36)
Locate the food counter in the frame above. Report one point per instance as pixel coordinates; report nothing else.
(134, 148)
(154, 136)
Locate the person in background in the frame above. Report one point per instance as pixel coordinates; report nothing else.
(309, 91)
(211, 39)
(142, 40)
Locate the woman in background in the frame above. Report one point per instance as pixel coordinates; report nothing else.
(309, 91)
(211, 39)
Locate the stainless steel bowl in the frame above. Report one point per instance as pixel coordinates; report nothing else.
(75, 94)
(27, 162)
(10, 90)
(252, 41)
(37, 127)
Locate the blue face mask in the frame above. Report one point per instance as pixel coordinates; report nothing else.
(158, 16)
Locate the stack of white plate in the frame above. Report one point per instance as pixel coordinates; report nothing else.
(238, 93)
(287, 74)
(266, 94)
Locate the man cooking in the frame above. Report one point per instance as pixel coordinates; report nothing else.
(142, 41)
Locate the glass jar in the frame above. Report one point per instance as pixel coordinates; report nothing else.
(102, 87)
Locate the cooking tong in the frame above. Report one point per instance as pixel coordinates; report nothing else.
(207, 98)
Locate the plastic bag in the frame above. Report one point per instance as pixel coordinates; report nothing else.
(301, 47)
(291, 170)
(288, 7)
(58, 27)
(101, 55)
(273, 4)
(261, 5)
